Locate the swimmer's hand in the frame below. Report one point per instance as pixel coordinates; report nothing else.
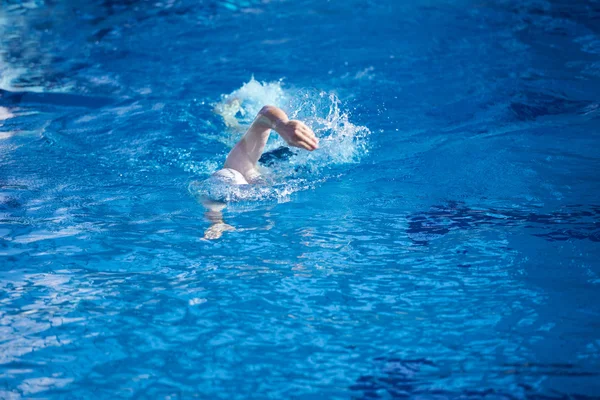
(297, 134)
(215, 231)
(294, 132)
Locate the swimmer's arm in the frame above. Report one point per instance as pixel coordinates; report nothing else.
(214, 214)
(244, 156)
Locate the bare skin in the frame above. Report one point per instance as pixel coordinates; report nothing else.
(244, 156)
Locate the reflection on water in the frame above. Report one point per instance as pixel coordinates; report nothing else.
(574, 222)
(404, 379)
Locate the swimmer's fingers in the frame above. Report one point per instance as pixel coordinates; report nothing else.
(306, 136)
(303, 145)
(309, 136)
(297, 134)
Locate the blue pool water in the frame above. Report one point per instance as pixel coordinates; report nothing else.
(443, 243)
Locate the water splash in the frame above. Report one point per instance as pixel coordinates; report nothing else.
(341, 141)
(239, 108)
(216, 190)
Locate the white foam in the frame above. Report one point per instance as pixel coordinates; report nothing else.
(239, 107)
(5, 114)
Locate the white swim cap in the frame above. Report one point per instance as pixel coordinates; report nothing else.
(230, 176)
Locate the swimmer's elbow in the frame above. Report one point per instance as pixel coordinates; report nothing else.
(274, 114)
(271, 110)
(268, 110)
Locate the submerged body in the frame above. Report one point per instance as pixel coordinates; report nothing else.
(240, 167)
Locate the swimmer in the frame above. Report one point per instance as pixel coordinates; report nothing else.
(241, 164)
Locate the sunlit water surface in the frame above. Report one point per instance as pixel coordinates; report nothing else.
(443, 242)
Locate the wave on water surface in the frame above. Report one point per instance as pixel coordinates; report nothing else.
(340, 141)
